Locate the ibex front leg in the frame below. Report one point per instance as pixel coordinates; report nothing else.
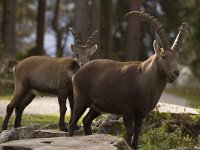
(128, 122)
(137, 129)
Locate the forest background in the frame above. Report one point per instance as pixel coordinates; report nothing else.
(40, 27)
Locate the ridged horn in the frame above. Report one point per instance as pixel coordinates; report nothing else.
(76, 37)
(179, 38)
(88, 43)
(156, 25)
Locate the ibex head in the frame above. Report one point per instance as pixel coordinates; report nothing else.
(166, 56)
(82, 52)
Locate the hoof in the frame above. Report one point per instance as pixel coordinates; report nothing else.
(135, 147)
(64, 129)
(76, 127)
(4, 127)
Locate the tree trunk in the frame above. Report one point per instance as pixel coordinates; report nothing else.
(133, 33)
(39, 50)
(87, 21)
(58, 31)
(8, 29)
(106, 28)
(1, 23)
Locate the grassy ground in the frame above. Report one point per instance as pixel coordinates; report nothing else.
(6, 94)
(37, 119)
(32, 119)
(163, 131)
(190, 94)
(160, 131)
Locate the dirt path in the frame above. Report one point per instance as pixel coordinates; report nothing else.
(173, 99)
(49, 105)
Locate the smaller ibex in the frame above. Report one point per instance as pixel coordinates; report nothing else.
(130, 89)
(46, 75)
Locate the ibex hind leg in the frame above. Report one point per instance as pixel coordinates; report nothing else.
(18, 96)
(62, 105)
(20, 108)
(87, 121)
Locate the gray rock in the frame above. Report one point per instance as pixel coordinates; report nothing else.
(18, 133)
(92, 142)
(106, 118)
(50, 126)
(48, 133)
(113, 127)
(80, 131)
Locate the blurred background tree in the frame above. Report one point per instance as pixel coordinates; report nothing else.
(87, 20)
(8, 28)
(40, 28)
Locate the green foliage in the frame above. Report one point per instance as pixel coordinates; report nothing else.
(158, 138)
(163, 131)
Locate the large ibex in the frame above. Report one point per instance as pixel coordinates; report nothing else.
(130, 89)
(45, 75)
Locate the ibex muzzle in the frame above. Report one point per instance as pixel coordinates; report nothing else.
(130, 89)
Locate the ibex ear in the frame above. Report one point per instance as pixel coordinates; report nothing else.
(92, 50)
(156, 47)
(73, 47)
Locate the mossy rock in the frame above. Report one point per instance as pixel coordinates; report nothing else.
(113, 127)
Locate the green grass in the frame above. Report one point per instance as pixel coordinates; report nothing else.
(190, 94)
(6, 93)
(6, 97)
(163, 131)
(160, 131)
(35, 119)
(6, 90)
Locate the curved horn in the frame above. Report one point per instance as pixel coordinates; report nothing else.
(76, 37)
(156, 24)
(179, 38)
(88, 43)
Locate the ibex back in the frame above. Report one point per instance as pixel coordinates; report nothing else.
(130, 89)
(45, 75)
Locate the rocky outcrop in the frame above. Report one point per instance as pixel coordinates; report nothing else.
(48, 134)
(18, 133)
(113, 127)
(110, 124)
(92, 142)
(31, 132)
